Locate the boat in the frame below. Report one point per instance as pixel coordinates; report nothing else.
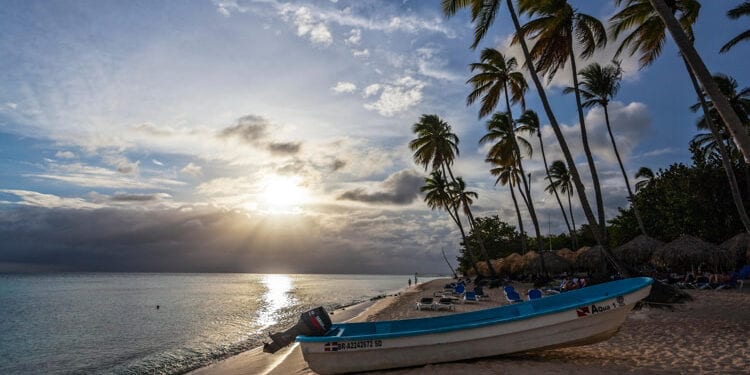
(578, 317)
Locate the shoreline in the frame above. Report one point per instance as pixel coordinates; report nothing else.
(289, 360)
(707, 335)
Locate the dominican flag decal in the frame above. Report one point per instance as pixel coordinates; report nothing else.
(331, 347)
(583, 311)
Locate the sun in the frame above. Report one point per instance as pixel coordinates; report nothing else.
(283, 194)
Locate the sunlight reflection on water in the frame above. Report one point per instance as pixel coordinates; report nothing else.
(275, 298)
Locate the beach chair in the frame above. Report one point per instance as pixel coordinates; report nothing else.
(425, 303)
(533, 294)
(470, 297)
(513, 297)
(459, 290)
(444, 304)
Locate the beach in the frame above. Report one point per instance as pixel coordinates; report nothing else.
(707, 335)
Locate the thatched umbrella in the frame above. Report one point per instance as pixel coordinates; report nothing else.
(638, 251)
(497, 265)
(568, 254)
(589, 258)
(514, 263)
(739, 245)
(555, 263)
(530, 262)
(686, 253)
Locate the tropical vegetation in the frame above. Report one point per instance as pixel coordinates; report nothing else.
(555, 34)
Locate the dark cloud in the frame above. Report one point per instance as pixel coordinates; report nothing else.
(124, 197)
(399, 188)
(201, 239)
(284, 148)
(249, 129)
(337, 164)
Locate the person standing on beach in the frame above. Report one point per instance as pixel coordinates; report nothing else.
(415, 278)
(410, 282)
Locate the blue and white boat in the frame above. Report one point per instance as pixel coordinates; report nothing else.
(578, 317)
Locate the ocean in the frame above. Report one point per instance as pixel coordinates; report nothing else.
(108, 323)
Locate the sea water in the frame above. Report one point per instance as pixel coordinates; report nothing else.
(110, 323)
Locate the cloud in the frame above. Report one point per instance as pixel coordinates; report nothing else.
(192, 170)
(355, 36)
(361, 53)
(284, 148)
(308, 24)
(397, 96)
(156, 162)
(91, 176)
(249, 129)
(123, 165)
(337, 164)
(430, 65)
(65, 155)
(344, 87)
(371, 90)
(399, 188)
(205, 239)
(33, 198)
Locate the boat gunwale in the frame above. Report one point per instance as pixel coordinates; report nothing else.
(644, 282)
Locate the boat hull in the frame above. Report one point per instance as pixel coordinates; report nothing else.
(579, 325)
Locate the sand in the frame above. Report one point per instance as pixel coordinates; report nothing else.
(709, 335)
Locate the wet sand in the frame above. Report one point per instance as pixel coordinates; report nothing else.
(709, 335)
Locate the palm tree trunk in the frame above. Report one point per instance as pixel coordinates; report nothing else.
(529, 201)
(587, 149)
(734, 125)
(555, 126)
(570, 207)
(725, 159)
(624, 174)
(520, 221)
(563, 144)
(554, 189)
(457, 220)
(486, 255)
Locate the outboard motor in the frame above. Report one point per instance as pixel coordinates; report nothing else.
(315, 322)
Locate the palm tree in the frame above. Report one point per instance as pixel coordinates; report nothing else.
(496, 76)
(683, 39)
(483, 15)
(646, 173)
(561, 180)
(646, 20)
(735, 13)
(508, 175)
(507, 150)
(436, 146)
(554, 30)
(728, 87)
(438, 197)
(599, 84)
(530, 121)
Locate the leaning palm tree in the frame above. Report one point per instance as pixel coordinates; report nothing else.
(506, 149)
(734, 13)
(712, 121)
(556, 26)
(683, 38)
(530, 121)
(508, 175)
(646, 22)
(561, 180)
(438, 197)
(435, 147)
(483, 14)
(496, 76)
(599, 84)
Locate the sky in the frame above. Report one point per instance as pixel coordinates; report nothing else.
(271, 136)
